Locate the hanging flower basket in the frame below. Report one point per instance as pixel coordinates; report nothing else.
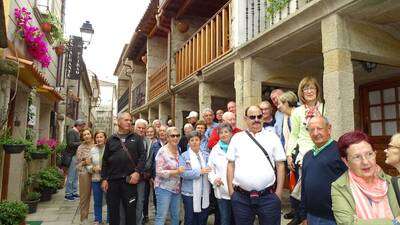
(39, 155)
(59, 50)
(46, 27)
(14, 148)
(182, 27)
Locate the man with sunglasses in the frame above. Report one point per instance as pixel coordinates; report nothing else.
(253, 156)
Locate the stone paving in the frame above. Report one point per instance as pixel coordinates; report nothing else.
(61, 212)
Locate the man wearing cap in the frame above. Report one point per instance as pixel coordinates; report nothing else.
(192, 118)
(73, 142)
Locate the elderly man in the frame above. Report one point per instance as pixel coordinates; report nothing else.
(278, 115)
(143, 186)
(201, 128)
(122, 166)
(255, 163)
(321, 167)
(73, 142)
(227, 117)
(218, 115)
(268, 116)
(192, 118)
(208, 117)
(183, 142)
(231, 106)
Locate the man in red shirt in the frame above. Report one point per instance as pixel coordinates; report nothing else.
(229, 118)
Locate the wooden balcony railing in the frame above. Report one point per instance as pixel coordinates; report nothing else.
(158, 82)
(209, 43)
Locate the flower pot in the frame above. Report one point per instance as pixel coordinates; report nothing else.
(39, 155)
(182, 27)
(14, 149)
(59, 50)
(45, 195)
(32, 205)
(46, 27)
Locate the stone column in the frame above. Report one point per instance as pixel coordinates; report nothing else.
(205, 101)
(164, 110)
(144, 115)
(247, 88)
(183, 103)
(44, 120)
(338, 80)
(16, 170)
(153, 114)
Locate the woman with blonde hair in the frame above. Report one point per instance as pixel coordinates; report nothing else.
(96, 157)
(83, 157)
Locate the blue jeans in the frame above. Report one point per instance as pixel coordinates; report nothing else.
(140, 202)
(314, 220)
(72, 179)
(225, 211)
(192, 218)
(98, 202)
(167, 200)
(267, 208)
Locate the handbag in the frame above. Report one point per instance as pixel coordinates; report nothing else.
(266, 155)
(66, 158)
(396, 188)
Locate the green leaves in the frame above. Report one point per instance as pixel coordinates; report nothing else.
(12, 213)
(274, 6)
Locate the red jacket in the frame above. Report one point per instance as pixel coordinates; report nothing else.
(214, 137)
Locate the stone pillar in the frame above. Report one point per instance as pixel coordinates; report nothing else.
(5, 86)
(205, 101)
(144, 115)
(338, 80)
(183, 103)
(164, 110)
(44, 120)
(153, 114)
(247, 88)
(156, 56)
(16, 170)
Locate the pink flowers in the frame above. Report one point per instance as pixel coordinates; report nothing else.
(51, 143)
(33, 37)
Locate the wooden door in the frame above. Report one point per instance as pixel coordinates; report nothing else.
(380, 107)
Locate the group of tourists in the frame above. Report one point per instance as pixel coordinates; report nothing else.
(211, 163)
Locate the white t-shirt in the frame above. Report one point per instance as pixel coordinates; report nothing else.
(252, 169)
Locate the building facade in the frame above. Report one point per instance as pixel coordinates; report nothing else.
(106, 112)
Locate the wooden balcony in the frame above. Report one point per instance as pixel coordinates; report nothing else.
(158, 82)
(205, 46)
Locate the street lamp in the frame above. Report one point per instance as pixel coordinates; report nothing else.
(87, 32)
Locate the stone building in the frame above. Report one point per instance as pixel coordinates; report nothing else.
(106, 112)
(190, 55)
(28, 87)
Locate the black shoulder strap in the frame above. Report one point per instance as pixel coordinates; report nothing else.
(127, 152)
(262, 148)
(396, 188)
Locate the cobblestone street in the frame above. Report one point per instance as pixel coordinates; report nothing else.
(61, 212)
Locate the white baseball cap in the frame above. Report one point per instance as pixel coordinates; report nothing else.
(192, 114)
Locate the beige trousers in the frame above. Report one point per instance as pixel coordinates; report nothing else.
(85, 191)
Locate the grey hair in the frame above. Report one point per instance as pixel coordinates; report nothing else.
(170, 130)
(188, 125)
(156, 120)
(141, 121)
(122, 114)
(194, 134)
(224, 126)
(326, 121)
(208, 110)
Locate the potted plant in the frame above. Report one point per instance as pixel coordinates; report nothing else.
(47, 184)
(31, 200)
(58, 175)
(41, 152)
(59, 49)
(13, 213)
(12, 145)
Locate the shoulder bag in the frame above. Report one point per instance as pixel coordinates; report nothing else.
(266, 155)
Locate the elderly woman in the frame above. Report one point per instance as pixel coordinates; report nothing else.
(363, 194)
(167, 182)
(195, 185)
(218, 164)
(83, 157)
(393, 152)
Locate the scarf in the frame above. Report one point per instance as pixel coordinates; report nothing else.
(311, 111)
(223, 146)
(201, 189)
(370, 198)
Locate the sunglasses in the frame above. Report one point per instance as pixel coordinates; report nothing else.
(175, 135)
(254, 117)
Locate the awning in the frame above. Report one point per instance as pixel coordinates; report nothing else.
(29, 74)
(49, 92)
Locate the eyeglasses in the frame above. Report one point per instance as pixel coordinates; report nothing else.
(309, 89)
(358, 158)
(392, 146)
(175, 135)
(254, 117)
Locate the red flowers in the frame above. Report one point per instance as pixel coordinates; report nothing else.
(33, 37)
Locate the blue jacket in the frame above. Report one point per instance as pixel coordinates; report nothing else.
(190, 174)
